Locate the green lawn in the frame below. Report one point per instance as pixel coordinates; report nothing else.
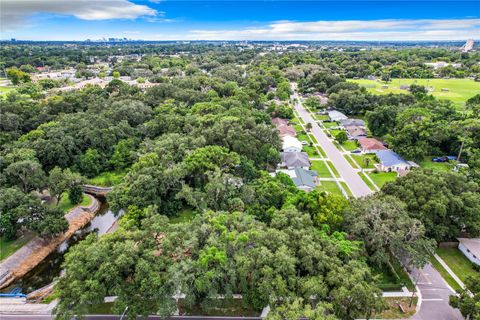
(351, 161)
(108, 179)
(380, 178)
(321, 116)
(427, 163)
(185, 215)
(321, 168)
(445, 275)
(7, 247)
(459, 264)
(303, 137)
(298, 128)
(65, 205)
(328, 125)
(311, 151)
(4, 90)
(347, 189)
(329, 186)
(459, 90)
(393, 277)
(313, 138)
(350, 145)
(364, 178)
(335, 172)
(360, 160)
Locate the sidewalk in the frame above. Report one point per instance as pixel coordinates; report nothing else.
(450, 272)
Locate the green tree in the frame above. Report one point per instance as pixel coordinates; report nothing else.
(341, 137)
(385, 227)
(17, 76)
(355, 295)
(468, 301)
(446, 203)
(297, 309)
(27, 174)
(75, 193)
(90, 163)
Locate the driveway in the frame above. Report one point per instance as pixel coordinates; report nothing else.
(358, 187)
(435, 294)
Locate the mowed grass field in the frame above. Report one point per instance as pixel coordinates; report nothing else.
(459, 90)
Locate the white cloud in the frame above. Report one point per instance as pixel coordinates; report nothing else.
(421, 29)
(14, 13)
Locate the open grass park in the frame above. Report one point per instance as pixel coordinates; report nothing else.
(456, 90)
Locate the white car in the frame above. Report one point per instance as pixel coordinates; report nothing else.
(304, 143)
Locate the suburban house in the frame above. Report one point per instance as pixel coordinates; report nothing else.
(370, 145)
(470, 249)
(352, 122)
(391, 161)
(292, 160)
(335, 115)
(286, 130)
(355, 132)
(291, 144)
(306, 180)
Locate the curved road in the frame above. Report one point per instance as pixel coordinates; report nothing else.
(358, 187)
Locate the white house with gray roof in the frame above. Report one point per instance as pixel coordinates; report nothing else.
(291, 144)
(470, 248)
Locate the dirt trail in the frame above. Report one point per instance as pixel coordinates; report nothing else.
(31, 254)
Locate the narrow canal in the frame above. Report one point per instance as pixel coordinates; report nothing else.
(51, 267)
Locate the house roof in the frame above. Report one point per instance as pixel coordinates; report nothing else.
(302, 177)
(352, 122)
(371, 144)
(472, 244)
(286, 130)
(336, 115)
(289, 142)
(295, 159)
(279, 121)
(389, 158)
(356, 131)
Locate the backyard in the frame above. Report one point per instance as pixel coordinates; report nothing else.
(427, 163)
(459, 90)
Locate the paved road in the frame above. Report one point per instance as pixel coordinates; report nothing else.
(435, 294)
(358, 187)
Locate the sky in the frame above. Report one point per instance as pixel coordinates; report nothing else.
(386, 20)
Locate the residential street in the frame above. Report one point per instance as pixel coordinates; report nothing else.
(358, 187)
(435, 294)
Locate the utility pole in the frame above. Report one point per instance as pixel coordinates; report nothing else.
(460, 152)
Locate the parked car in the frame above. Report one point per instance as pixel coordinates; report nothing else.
(356, 151)
(444, 159)
(304, 143)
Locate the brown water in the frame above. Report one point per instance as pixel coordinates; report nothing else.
(51, 267)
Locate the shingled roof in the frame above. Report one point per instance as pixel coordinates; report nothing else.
(295, 159)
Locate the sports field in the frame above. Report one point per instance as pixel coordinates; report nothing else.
(459, 90)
